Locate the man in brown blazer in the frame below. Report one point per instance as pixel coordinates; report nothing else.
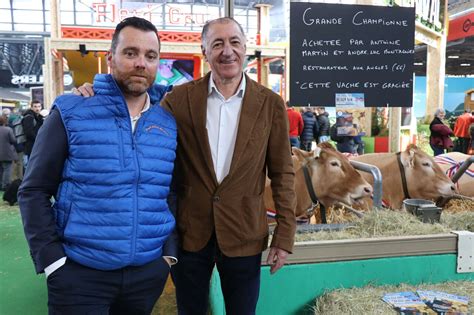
(232, 132)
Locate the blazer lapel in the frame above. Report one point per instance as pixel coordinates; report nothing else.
(198, 108)
(251, 105)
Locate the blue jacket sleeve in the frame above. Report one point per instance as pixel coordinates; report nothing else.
(171, 246)
(40, 183)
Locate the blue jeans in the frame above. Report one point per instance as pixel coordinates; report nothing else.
(295, 142)
(5, 173)
(437, 150)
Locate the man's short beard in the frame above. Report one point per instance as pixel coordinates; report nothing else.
(129, 90)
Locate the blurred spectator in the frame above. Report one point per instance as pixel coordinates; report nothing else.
(310, 129)
(296, 125)
(461, 130)
(471, 132)
(32, 122)
(6, 113)
(324, 125)
(440, 133)
(7, 152)
(345, 144)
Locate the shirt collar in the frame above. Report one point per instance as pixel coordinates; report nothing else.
(147, 104)
(145, 107)
(240, 91)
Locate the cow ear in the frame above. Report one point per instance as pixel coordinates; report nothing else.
(316, 152)
(300, 155)
(411, 158)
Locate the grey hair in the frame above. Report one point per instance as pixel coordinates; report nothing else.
(221, 20)
(439, 111)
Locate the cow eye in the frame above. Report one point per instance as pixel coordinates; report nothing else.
(335, 163)
(427, 164)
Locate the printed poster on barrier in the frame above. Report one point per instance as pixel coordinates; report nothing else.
(350, 100)
(442, 302)
(407, 303)
(351, 121)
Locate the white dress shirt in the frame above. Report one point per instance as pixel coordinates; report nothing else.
(222, 122)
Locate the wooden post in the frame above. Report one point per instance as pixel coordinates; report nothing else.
(55, 19)
(47, 75)
(394, 121)
(435, 73)
(54, 65)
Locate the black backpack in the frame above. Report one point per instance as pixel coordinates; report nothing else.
(11, 192)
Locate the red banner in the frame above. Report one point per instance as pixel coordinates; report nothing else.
(461, 27)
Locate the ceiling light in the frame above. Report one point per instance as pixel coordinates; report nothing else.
(418, 63)
(453, 57)
(465, 64)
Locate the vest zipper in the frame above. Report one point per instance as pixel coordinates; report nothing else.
(120, 138)
(137, 177)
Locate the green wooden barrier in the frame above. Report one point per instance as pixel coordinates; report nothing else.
(294, 288)
(369, 144)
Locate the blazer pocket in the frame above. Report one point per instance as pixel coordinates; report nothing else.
(254, 218)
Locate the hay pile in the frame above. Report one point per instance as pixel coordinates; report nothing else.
(458, 205)
(336, 214)
(383, 223)
(339, 214)
(368, 300)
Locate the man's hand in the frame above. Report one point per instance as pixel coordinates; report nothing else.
(276, 258)
(85, 90)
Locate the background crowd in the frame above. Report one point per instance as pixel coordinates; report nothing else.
(18, 131)
(312, 124)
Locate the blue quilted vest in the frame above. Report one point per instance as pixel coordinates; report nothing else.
(111, 208)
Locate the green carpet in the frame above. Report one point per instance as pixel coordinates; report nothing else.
(24, 292)
(21, 290)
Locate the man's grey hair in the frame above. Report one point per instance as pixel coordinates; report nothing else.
(222, 20)
(439, 111)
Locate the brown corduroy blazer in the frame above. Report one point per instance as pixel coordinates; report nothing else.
(234, 209)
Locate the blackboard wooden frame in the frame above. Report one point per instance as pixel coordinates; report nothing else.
(351, 49)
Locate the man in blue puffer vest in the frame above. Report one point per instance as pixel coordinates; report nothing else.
(107, 241)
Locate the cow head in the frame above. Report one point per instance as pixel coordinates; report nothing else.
(425, 179)
(334, 179)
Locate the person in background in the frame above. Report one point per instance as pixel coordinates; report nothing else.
(6, 112)
(440, 133)
(310, 129)
(324, 125)
(470, 151)
(32, 122)
(296, 125)
(17, 167)
(344, 144)
(7, 153)
(106, 244)
(461, 130)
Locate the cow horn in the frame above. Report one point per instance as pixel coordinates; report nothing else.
(316, 152)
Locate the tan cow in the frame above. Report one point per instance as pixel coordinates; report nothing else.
(450, 163)
(425, 179)
(333, 178)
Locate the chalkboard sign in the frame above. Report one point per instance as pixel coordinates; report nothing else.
(351, 52)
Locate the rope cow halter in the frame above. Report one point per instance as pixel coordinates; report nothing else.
(403, 175)
(309, 186)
